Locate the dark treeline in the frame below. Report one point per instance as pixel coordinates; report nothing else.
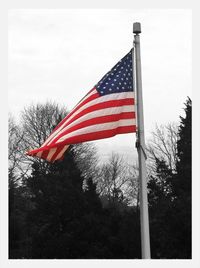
(76, 209)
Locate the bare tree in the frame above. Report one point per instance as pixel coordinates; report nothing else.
(163, 146)
(37, 122)
(110, 174)
(116, 179)
(15, 144)
(131, 187)
(86, 159)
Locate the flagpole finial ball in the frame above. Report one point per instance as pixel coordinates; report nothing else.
(137, 28)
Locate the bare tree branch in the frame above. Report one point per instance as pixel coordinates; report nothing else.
(117, 176)
(162, 146)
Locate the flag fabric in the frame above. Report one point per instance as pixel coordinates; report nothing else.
(107, 110)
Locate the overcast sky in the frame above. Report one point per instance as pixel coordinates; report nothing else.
(60, 55)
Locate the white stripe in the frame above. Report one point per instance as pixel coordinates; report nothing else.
(39, 154)
(51, 153)
(61, 152)
(114, 96)
(99, 127)
(102, 112)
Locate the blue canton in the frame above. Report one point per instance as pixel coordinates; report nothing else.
(119, 78)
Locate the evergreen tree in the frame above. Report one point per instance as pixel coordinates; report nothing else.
(159, 197)
(93, 201)
(182, 181)
(170, 200)
(18, 229)
(58, 199)
(181, 187)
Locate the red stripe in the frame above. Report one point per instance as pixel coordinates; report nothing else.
(98, 120)
(61, 158)
(45, 151)
(45, 154)
(99, 135)
(32, 152)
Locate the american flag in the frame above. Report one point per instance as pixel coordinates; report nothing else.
(107, 110)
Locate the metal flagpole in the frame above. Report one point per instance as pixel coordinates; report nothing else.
(140, 144)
